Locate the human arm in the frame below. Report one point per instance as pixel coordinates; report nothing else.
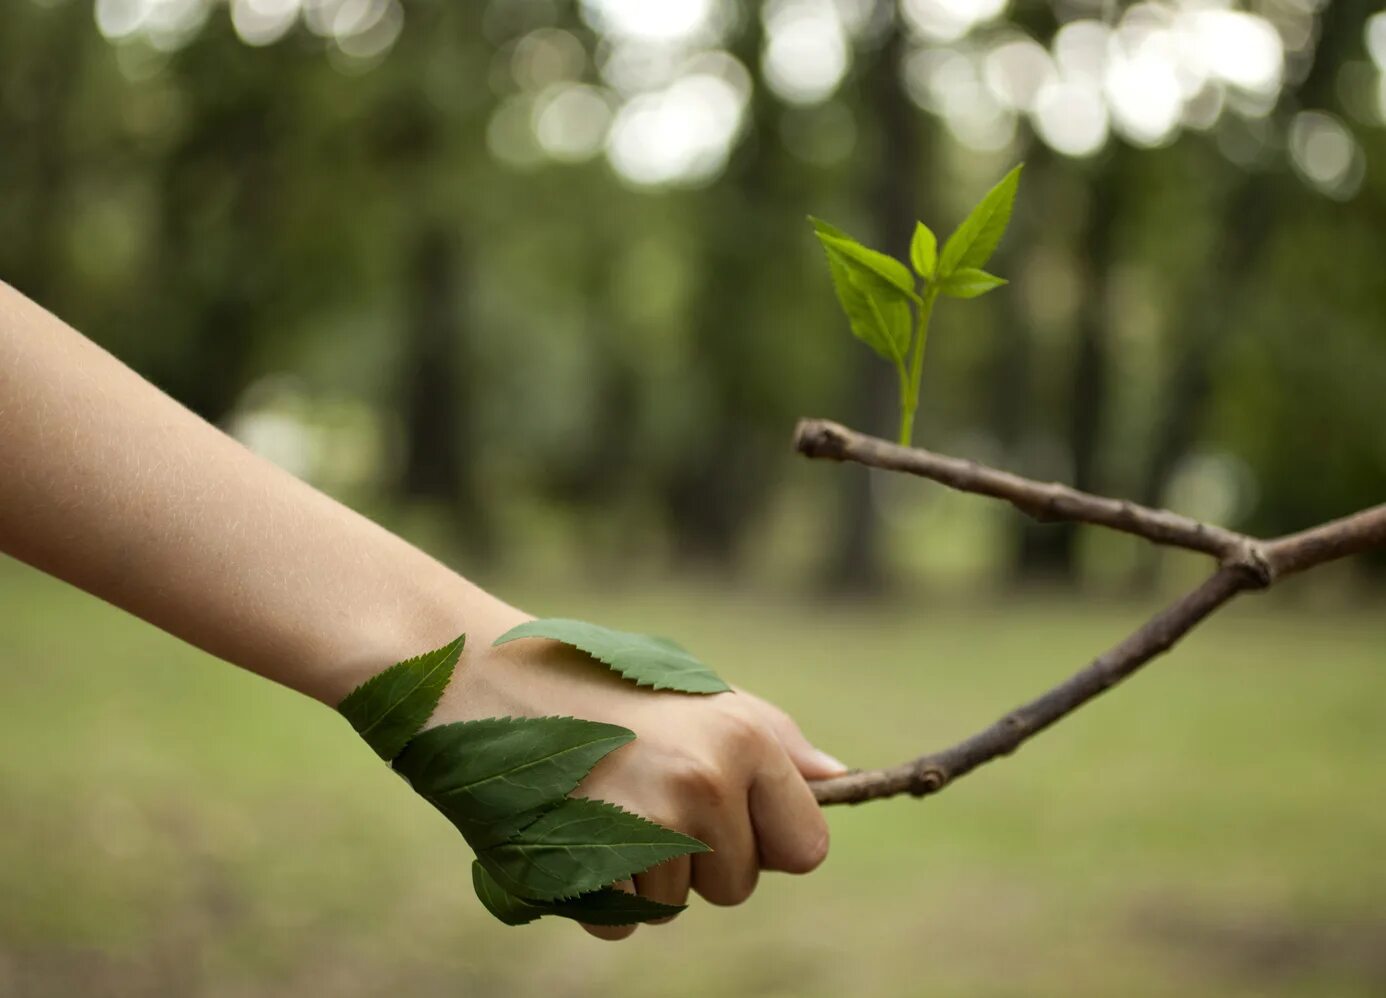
(116, 488)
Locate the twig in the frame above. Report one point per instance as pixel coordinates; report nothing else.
(1245, 563)
(1046, 501)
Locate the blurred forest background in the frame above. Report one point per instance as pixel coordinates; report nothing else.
(537, 273)
(531, 281)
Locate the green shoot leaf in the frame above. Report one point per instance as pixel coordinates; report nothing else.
(877, 311)
(493, 776)
(607, 906)
(645, 661)
(973, 242)
(884, 267)
(924, 251)
(969, 282)
(389, 708)
(875, 295)
(579, 846)
(826, 228)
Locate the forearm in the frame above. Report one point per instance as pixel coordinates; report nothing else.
(111, 485)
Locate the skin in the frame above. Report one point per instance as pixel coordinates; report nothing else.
(109, 484)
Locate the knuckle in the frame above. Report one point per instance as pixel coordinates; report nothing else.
(698, 780)
(778, 715)
(743, 733)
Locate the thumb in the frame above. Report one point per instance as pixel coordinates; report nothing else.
(812, 762)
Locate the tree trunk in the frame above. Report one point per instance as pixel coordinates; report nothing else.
(1048, 552)
(435, 397)
(722, 478)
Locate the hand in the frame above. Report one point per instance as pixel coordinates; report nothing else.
(729, 768)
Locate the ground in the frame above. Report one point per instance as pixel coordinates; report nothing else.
(1211, 828)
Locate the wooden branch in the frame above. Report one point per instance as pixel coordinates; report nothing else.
(1329, 542)
(1245, 563)
(1046, 501)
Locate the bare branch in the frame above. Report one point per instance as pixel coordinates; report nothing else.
(1041, 500)
(1329, 542)
(1245, 563)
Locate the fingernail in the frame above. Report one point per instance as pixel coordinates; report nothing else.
(828, 762)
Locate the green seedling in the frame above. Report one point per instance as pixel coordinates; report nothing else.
(889, 308)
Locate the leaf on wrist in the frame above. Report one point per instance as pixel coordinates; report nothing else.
(646, 661)
(389, 708)
(503, 781)
(580, 846)
(492, 777)
(607, 906)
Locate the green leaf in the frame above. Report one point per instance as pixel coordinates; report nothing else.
(924, 251)
(972, 244)
(492, 777)
(580, 846)
(645, 661)
(389, 708)
(883, 267)
(498, 901)
(607, 906)
(886, 314)
(827, 228)
(969, 282)
(878, 311)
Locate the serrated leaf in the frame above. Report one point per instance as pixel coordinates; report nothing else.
(878, 310)
(969, 282)
(924, 251)
(498, 901)
(579, 846)
(611, 906)
(607, 906)
(493, 776)
(645, 661)
(390, 707)
(974, 241)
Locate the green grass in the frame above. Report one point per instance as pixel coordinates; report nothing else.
(174, 827)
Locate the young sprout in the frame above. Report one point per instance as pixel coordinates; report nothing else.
(889, 308)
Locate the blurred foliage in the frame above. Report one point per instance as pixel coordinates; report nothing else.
(537, 273)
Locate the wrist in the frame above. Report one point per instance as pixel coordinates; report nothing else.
(419, 611)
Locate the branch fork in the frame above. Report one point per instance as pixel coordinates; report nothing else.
(1244, 563)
